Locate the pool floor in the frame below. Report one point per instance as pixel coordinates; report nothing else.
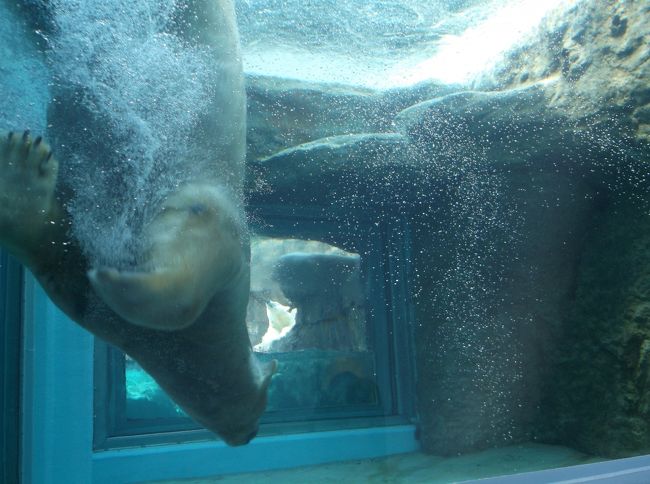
(415, 468)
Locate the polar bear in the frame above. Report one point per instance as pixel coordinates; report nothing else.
(180, 310)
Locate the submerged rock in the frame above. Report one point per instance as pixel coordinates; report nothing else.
(327, 293)
(598, 398)
(593, 390)
(524, 322)
(283, 113)
(348, 169)
(599, 53)
(502, 127)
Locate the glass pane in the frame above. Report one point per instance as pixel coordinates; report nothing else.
(10, 357)
(307, 310)
(514, 136)
(497, 151)
(144, 398)
(305, 295)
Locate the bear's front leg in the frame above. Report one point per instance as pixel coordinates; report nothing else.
(34, 226)
(28, 173)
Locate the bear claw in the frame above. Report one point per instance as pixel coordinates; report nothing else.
(24, 152)
(42, 166)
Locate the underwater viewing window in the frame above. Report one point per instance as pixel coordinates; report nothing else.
(334, 319)
(448, 209)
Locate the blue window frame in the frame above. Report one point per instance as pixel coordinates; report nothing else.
(387, 365)
(57, 400)
(10, 324)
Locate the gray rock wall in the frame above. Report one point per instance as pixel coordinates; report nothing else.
(284, 113)
(514, 192)
(598, 52)
(598, 58)
(597, 399)
(489, 182)
(495, 279)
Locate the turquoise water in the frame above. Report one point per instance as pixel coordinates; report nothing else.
(447, 206)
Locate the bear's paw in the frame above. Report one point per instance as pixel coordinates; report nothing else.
(28, 174)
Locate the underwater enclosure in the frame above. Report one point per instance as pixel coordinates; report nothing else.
(444, 206)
